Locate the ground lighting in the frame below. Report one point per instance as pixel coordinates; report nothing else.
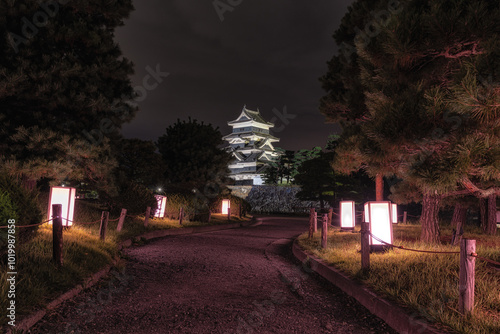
(347, 215)
(66, 197)
(160, 207)
(226, 206)
(378, 215)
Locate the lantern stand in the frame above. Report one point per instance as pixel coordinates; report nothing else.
(378, 215)
(347, 216)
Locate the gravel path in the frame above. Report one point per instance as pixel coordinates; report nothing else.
(233, 281)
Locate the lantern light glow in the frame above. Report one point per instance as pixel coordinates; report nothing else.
(380, 219)
(66, 197)
(160, 207)
(394, 213)
(226, 206)
(347, 215)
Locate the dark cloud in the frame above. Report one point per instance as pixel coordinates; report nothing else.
(264, 54)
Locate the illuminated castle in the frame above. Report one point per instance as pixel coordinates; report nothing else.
(251, 146)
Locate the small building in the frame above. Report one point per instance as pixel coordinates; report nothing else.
(251, 145)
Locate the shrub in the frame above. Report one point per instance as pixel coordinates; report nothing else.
(20, 204)
(188, 202)
(236, 202)
(135, 198)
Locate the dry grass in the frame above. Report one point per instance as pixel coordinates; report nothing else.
(427, 283)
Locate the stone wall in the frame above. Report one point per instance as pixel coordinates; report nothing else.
(272, 199)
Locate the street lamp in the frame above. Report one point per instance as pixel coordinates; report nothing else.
(226, 206)
(380, 221)
(66, 197)
(160, 207)
(347, 215)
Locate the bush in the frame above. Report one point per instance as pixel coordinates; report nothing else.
(190, 204)
(236, 202)
(20, 204)
(135, 198)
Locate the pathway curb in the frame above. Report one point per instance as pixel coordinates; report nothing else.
(29, 321)
(395, 316)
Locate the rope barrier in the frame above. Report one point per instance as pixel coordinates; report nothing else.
(413, 250)
(32, 225)
(485, 259)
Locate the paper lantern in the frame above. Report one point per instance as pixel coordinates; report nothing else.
(347, 215)
(226, 206)
(66, 197)
(394, 213)
(379, 217)
(160, 206)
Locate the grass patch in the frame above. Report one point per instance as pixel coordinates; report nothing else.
(39, 280)
(426, 283)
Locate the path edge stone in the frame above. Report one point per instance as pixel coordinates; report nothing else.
(30, 320)
(394, 315)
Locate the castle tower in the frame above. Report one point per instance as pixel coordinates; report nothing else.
(251, 146)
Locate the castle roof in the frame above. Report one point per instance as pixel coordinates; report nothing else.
(247, 115)
(249, 134)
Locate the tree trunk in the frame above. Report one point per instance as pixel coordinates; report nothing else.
(379, 187)
(482, 213)
(457, 222)
(430, 218)
(491, 227)
(459, 215)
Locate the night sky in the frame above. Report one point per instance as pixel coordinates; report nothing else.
(264, 54)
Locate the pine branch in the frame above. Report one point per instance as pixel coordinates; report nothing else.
(476, 191)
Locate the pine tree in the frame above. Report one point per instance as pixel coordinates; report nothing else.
(193, 157)
(414, 79)
(63, 87)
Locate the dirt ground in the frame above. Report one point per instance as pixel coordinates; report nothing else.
(233, 281)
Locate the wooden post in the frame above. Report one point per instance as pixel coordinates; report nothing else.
(146, 219)
(466, 276)
(365, 246)
(209, 216)
(324, 231)
(404, 217)
(181, 215)
(315, 225)
(311, 223)
(104, 225)
(57, 234)
(239, 210)
(229, 211)
(330, 215)
(123, 214)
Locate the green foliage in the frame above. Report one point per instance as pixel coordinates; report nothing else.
(192, 155)
(236, 202)
(135, 198)
(25, 204)
(139, 162)
(419, 100)
(62, 90)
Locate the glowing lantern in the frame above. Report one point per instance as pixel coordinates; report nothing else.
(347, 215)
(66, 197)
(498, 219)
(160, 207)
(380, 219)
(367, 220)
(226, 206)
(394, 213)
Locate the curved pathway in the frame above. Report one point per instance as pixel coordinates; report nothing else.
(231, 281)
